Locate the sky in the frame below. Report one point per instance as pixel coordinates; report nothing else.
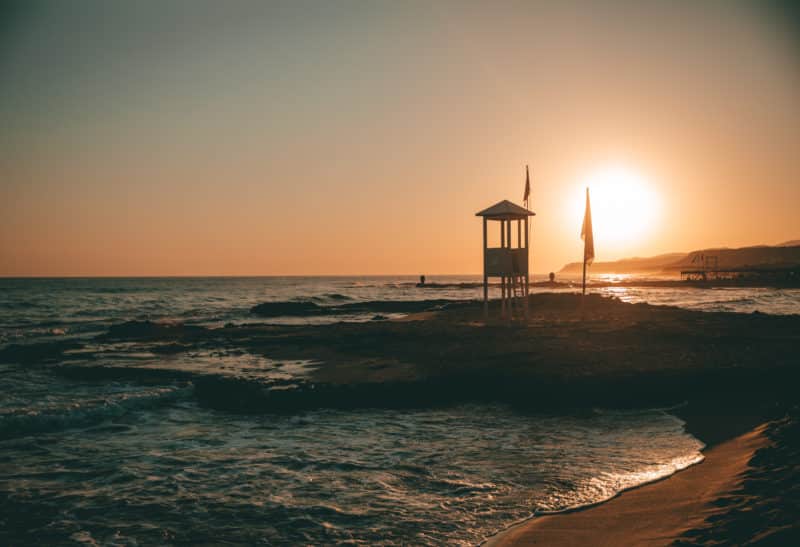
(360, 137)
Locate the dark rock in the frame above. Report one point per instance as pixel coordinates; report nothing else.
(149, 330)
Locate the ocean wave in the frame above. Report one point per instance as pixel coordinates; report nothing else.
(284, 308)
(22, 422)
(730, 301)
(268, 392)
(152, 330)
(221, 383)
(336, 296)
(603, 488)
(303, 308)
(24, 305)
(462, 285)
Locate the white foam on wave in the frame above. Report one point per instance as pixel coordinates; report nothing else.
(606, 486)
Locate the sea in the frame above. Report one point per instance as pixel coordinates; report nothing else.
(123, 462)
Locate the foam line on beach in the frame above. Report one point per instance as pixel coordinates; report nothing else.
(490, 541)
(673, 507)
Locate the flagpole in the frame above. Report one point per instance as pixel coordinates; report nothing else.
(585, 242)
(588, 242)
(584, 274)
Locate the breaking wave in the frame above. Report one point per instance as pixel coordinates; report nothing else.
(21, 422)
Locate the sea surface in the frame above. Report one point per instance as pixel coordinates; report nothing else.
(118, 462)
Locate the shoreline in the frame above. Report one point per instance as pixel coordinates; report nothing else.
(658, 512)
(572, 352)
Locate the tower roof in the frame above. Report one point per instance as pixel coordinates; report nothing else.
(505, 210)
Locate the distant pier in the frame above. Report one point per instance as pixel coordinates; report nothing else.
(747, 273)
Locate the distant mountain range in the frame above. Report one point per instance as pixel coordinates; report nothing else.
(784, 255)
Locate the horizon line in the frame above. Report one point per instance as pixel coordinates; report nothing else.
(196, 276)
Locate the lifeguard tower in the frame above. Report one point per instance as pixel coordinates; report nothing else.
(509, 262)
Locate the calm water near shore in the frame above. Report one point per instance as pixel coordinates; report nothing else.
(125, 463)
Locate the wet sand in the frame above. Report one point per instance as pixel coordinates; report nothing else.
(654, 514)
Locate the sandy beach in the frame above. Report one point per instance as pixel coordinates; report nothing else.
(743, 493)
(654, 514)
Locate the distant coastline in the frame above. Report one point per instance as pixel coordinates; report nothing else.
(642, 281)
(785, 256)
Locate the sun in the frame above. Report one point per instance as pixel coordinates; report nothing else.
(625, 207)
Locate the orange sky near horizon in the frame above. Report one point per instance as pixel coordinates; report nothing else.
(360, 138)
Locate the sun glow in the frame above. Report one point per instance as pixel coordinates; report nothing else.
(625, 208)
